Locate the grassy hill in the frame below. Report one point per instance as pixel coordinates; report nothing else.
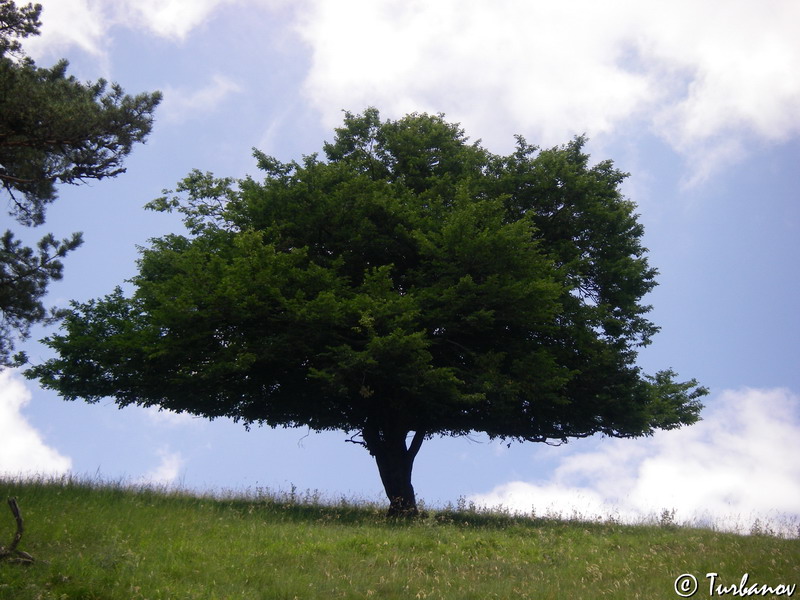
(103, 541)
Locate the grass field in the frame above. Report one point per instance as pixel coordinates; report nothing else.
(105, 541)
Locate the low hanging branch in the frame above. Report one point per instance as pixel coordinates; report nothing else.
(11, 553)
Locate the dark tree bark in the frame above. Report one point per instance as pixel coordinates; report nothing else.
(395, 462)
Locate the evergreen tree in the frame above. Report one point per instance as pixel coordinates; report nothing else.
(53, 130)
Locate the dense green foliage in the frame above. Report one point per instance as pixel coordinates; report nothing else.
(53, 129)
(106, 542)
(412, 282)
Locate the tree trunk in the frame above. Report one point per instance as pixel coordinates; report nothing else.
(395, 462)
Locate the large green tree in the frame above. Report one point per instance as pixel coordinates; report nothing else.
(53, 130)
(411, 285)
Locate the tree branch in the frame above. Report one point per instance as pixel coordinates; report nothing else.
(416, 444)
(22, 208)
(5, 177)
(11, 552)
(352, 439)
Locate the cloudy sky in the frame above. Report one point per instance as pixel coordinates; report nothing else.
(698, 100)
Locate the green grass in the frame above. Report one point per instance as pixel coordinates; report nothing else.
(106, 541)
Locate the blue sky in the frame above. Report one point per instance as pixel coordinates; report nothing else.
(700, 104)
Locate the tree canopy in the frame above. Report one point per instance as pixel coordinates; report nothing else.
(410, 285)
(53, 130)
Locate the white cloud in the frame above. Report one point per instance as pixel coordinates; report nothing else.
(740, 463)
(166, 472)
(712, 80)
(181, 105)
(171, 418)
(176, 19)
(738, 63)
(87, 23)
(495, 63)
(704, 76)
(81, 23)
(171, 18)
(23, 452)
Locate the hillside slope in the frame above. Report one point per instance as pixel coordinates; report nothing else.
(103, 541)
